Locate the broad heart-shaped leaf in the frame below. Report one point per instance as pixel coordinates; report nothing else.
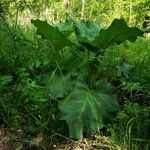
(51, 33)
(103, 86)
(117, 32)
(57, 86)
(86, 111)
(86, 30)
(66, 27)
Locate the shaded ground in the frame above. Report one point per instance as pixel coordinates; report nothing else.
(16, 141)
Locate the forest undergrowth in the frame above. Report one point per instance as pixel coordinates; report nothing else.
(66, 81)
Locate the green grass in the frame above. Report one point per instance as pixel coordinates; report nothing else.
(131, 128)
(127, 66)
(128, 62)
(18, 50)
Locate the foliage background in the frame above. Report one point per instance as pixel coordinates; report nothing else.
(101, 11)
(26, 59)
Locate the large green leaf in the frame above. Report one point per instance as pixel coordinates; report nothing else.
(103, 86)
(86, 30)
(57, 86)
(51, 33)
(66, 27)
(86, 111)
(117, 32)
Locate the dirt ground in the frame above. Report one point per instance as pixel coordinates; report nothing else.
(10, 140)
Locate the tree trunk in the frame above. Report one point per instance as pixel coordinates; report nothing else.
(130, 17)
(66, 4)
(54, 12)
(82, 10)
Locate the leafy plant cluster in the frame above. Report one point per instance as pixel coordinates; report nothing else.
(62, 87)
